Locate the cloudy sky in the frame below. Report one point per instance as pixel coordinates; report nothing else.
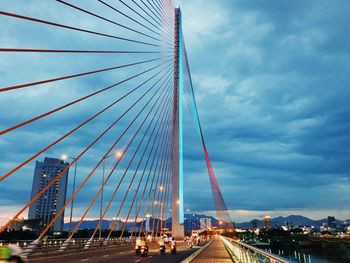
(271, 81)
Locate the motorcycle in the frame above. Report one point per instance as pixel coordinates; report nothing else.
(162, 249)
(8, 257)
(173, 248)
(137, 250)
(190, 244)
(144, 251)
(12, 254)
(141, 250)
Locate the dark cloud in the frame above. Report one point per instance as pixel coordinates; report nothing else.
(271, 80)
(276, 114)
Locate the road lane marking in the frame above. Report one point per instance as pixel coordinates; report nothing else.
(83, 260)
(137, 260)
(66, 255)
(104, 256)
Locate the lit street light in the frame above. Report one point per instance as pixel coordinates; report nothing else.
(188, 210)
(64, 158)
(161, 218)
(116, 154)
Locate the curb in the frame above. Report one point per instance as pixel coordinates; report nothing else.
(196, 253)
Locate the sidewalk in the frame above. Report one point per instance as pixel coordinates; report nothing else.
(215, 253)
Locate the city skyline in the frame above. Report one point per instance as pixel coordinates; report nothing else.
(272, 96)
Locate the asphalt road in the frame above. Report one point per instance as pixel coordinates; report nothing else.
(118, 254)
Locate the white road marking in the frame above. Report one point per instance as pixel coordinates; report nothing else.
(104, 256)
(121, 253)
(83, 260)
(137, 260)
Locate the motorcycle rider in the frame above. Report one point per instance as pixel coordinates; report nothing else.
(173, 246)
(161, 245)
(11, 253)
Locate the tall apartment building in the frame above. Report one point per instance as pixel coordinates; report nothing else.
(50, 202)
(267, 220)
(118, 224)
(205, 223)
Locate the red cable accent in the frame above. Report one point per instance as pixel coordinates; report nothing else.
(75, 28)
(74, 102)
(117, 188)
(25, 85)
(77, 51)
(135, 173)
(106, 19)
(94, 169)
(73, 130)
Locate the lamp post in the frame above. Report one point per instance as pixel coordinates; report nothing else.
(161, 189)
(188, 210)
(117, 154)
(64, 158)
(161, 218)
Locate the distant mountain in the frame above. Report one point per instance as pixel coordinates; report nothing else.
(91, 224)
(297, 220)
(88, 224)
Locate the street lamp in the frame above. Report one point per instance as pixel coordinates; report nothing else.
(161, 188)
(161, 218)
(188, 210)
(161, 215)
(116, 154)
(64, 158)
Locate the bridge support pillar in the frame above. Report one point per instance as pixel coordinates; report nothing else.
(177, 203)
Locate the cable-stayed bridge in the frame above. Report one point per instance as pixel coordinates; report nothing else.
(109, 84)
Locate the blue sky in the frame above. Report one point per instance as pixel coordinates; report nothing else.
(271, 80)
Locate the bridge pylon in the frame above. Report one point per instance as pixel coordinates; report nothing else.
(177, 165)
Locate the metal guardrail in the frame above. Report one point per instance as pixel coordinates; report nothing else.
(243, 253)
(59, 242)
(52, 246)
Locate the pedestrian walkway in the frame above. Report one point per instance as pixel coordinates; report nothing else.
(214, 253)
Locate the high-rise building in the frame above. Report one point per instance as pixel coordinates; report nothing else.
(118, 224)
(205, 223)
(148, 223)
(51, 201)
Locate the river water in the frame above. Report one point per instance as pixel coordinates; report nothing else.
(315, 255)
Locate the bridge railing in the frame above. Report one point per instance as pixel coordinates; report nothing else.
(77, 244)
(244, 253)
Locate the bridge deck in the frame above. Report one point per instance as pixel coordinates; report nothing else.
(214, 253)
